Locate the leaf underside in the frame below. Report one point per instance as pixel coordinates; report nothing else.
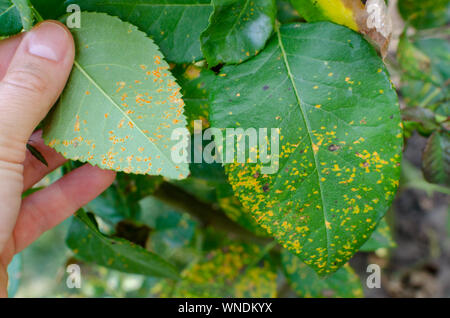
(121, 103)
(328, 92)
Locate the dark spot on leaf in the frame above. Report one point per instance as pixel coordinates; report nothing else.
(333, 147)
(266, 187)
(132, 232)
(265, 88)
(216, 69)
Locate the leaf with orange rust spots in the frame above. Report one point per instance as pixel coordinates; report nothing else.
(370, 19)
(121, 105)
(236, 270)
(329, 94)
(306, 283)
(380, 238)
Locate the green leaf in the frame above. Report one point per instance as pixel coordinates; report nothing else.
(175, 25)
(424, 14)
(118, 110)
(436, 158)
(429, 89)
(50, 9)
(329, 93)
(195, 85)
(238, 30)
(413, 61)
(10, 18)
(173, 230)
(90, 245)
(26, 13)
(413, 178)
(286, 12)
(111, 205)
(121, 200)
(226, 272)
(306, 283)
(380, 238)
(353, 14)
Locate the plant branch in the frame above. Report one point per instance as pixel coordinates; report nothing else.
(207, 214)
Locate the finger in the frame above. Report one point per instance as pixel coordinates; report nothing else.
(48, 207)
(3, 281)
(8, 48)
(34, 170)
(35, 78)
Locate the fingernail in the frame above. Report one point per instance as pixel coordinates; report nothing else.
(48, 40)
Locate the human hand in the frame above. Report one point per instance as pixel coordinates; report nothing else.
(34, 68)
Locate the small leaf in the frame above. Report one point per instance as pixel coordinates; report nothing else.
(429, 89)
(436, 158)
(286, 12)
(380, 238)
(195, 85)
(227, 272)
(172, 231)
(306, 283)
(50, 9)
(36, 153)
(424, 14)
(118, 110)
(10, 18)
(413, 61)
(121, 200)
(238, 30)
(341, 139)
(26, 13)
(90, 245)
(367, 17)
(175, 25)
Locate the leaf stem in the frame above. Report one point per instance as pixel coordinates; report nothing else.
(37, 15)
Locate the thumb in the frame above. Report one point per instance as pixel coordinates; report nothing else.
(35, 78)
(33, 81)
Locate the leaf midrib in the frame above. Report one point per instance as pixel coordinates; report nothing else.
(83, 71)
(308, 128)
(7, 10)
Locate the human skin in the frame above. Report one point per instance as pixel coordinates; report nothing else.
(34, 68)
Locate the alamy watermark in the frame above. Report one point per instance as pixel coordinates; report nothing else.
(74, 276)
(229, 145)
